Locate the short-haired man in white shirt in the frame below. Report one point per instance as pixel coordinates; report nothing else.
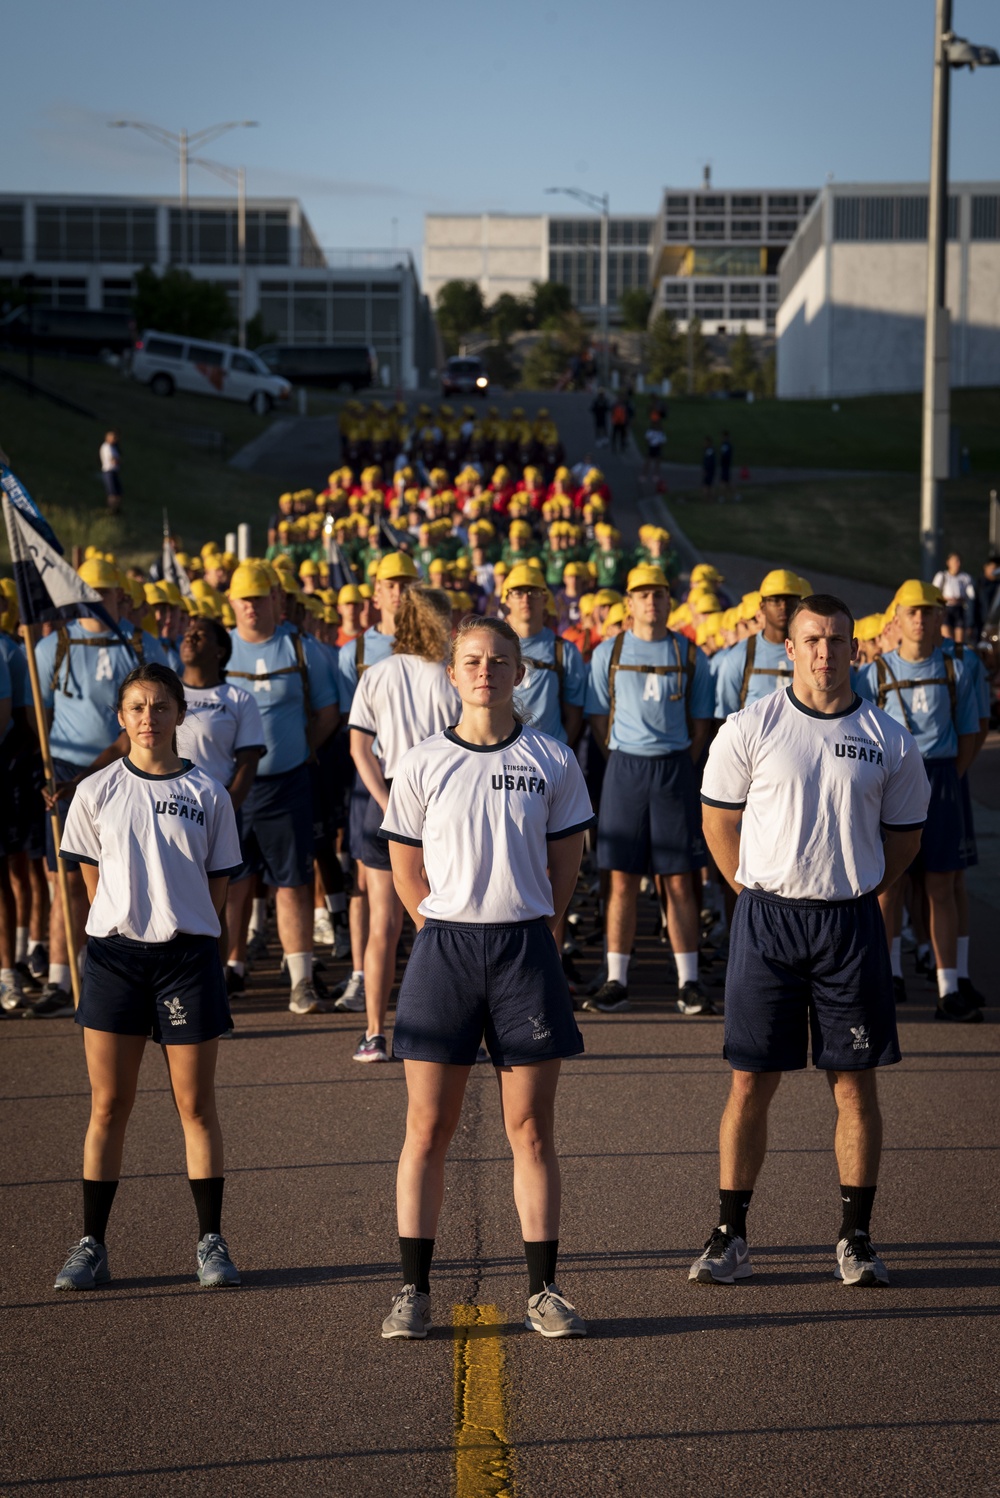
(813, 802)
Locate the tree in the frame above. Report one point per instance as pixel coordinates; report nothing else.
(508, 314)
(500, 365)
(697, 360)
(178, 303)
(460, 309)
(743, 362)
(665, 349)
(257, 333)
(549, 299)
(636, 306)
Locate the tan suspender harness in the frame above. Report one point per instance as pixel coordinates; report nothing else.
(359, 655)
(685, 668)
(887, 683)
(548, 665)
(62, 653)
(300, 667)
(750, 669)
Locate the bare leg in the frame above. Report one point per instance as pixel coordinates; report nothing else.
(683, 924)
(858, 1138)
(113, 1063)
(192, 1081)
(434, 1102)
(622, 898)
(295, 918)
(385, 924)
(743, 1130)
(527, 1100)
(944, 918)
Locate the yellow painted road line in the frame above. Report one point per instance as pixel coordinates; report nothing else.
(483, 1465)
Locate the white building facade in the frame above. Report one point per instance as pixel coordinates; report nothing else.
(853, 288)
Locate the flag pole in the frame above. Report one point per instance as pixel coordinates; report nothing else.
(42, 726)
(42, 729)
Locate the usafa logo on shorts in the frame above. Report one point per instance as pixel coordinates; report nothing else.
(860, 1033)
(539, 1029)
(177, 1012)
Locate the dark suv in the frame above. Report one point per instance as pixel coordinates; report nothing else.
(465, 376)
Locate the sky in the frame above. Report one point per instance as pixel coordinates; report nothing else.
(376, 113)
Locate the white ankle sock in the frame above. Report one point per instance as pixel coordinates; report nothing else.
(59, 975)
(239, 968)
(618, 967)
(963, 956)
(896, 953)
(355, 973)
(947, 980)
(687, 967)
(258, 917)
(300, 966)
(21, 944)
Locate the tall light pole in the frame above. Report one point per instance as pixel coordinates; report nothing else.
(182, 143)
(950, 51)
(599, 205)
(236, 177)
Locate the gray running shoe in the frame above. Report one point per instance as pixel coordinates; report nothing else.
(858, 1263)
(305, 999)
(215, 1267)
(257, 946)
(12, 995)
(552, 1315)
(410, 1317)
(86, 1266)
(352, 999)
(322, 929)
(726, 1259)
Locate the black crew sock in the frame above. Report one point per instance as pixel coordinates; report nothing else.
(97, 1199)
(857, 1214)
(733, 1211)
(541, 1257)
(415, 1255)
(207, 1193)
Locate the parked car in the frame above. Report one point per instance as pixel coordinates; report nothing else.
(67, 330)
(335, 366)
(464, 375)
(167, 362)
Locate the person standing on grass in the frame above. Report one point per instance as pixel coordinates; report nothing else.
(708, 468)
(156, 840)
(725, 466)
(813, 804)
(111, 470)
(485, 824)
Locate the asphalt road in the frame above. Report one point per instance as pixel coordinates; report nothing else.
(787, 1383)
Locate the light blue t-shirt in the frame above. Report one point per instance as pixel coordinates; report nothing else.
(973, 663)
(539, 693)
(281, 699)
(377, 647)
(20, 682)
(647, 722)
(84, 701)
(927, 711)
(729, 676)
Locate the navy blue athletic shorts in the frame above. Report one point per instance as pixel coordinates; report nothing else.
(969, 850)
(650, 816)
(374, 852)
(277, 831)
(357, 810)
(941, 843)
(174, 992)
(801, 966)
(465, 983)
(62, 769)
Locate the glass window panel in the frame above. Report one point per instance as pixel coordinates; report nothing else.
(143, 234)
(211, 237)
(385, 315)
(678, 204)
(202, 353)
(48, 233)
(112, 234)
(116, 296)
(986, 218)
(349, 316)
(12, 233)
(79, 232)
(309, 317)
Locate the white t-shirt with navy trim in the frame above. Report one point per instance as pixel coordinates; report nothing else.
(815, 791)
(484, 815)
(400, 701)
(157, 840)
(219, 722)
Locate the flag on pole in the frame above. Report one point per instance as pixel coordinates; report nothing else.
(171, 569)
(398, 540)
(25, 505)
(341, 572)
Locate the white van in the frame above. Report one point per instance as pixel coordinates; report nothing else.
(167, 362)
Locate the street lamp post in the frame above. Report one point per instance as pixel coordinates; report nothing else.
(183, 143)
(236, 177)
(950, 51)
(599, 204)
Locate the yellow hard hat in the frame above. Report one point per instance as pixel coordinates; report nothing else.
(250, 580)
(576, 569)
(154, 594)
(524, 575)
(350, 593)
(610, 596)
(365, 590)
(704, 572)
(748, 606)
(615, 615)
(868, 628)
(396, 565)
(646, 575)
(97, 573)
(781, 583)
(308, 568)
(914, 594)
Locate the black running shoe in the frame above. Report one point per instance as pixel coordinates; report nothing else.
(29, 982)
(899, 990)
(38, 963)
(236, 983)
(965, 988)
(959, 1009)
(925, 967)
(691, 1000)
(54, 1003)
(610, 998)
(570, 969)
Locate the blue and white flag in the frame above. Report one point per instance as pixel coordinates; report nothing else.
(25, 505)
(171, 570)
(341, 572)
(47, 586)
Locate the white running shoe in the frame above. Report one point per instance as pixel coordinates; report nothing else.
(858, 1263)
(12, 994)
(352, 1000)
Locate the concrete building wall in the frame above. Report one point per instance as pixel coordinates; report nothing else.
(803, 330)
(502, 252)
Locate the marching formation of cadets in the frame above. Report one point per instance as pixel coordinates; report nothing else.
(271, 651)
